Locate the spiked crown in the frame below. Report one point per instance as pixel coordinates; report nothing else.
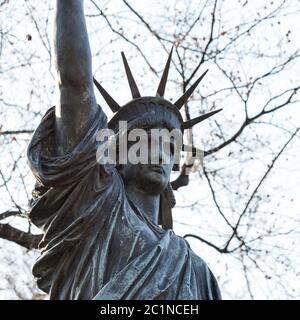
(149, 111)
(152, 110)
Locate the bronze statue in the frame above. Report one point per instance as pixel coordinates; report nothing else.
(107, 228)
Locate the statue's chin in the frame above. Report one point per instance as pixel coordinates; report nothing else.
(152, 183)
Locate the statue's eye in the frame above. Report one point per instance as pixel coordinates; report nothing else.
(169, 145)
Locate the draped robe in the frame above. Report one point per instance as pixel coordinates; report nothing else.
(97, 244)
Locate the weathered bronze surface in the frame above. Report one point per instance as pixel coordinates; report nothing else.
(101, 222)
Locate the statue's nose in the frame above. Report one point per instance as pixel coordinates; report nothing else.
(160, 153)
(157, 154)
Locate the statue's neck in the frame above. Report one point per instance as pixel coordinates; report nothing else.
(147, 203)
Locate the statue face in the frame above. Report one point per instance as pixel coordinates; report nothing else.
(153, 176)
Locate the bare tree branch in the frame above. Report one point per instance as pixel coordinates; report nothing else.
(24, 239)
(270, 167)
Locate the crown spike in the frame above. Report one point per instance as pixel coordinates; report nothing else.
(190, 123)
(133, 87)
(183, 99)
(109, 100)
(162, 84)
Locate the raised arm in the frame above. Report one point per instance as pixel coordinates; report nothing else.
(76, 105)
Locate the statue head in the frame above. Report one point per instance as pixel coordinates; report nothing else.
(148, 113)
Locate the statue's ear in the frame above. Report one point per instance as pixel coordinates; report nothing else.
(176, 167)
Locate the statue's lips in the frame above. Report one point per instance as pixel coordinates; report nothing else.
(156, 168)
